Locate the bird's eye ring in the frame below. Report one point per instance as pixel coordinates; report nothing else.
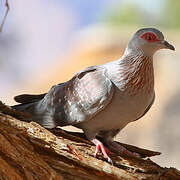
(150, 37)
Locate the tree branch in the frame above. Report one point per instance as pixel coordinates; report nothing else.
(5, 16)
(28, 151)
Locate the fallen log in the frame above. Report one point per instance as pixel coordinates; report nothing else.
(28, 151)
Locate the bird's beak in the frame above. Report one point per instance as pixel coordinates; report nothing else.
(167, 45)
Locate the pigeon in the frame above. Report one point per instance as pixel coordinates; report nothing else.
(101, 100)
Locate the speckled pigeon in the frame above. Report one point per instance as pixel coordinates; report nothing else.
(101, 100)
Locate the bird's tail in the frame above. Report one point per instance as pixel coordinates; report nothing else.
(28, 107)
(31, 105)
(28, 98)
(27, 102)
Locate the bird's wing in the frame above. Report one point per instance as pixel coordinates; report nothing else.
(82, 97)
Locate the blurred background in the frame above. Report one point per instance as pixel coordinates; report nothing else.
(45, 42)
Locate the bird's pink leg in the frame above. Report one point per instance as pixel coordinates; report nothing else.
(100, 146)
(118, 148)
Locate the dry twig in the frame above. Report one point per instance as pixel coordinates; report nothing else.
(5, 16)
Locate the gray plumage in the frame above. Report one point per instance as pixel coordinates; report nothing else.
(101, 100)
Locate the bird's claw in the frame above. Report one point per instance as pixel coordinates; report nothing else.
(100, 146)
(110, 160)
(106, 157)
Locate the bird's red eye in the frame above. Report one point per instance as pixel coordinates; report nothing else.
(150, 37)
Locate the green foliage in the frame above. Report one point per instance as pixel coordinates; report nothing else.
(171, 15)
(132, 13)
(128, 14)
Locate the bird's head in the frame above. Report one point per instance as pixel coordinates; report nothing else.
(149, 40)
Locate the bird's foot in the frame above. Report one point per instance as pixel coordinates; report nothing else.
(100, 146)
(118, 148)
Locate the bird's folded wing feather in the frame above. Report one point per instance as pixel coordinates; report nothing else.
(82, 97)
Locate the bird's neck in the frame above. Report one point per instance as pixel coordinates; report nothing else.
(136, 59)
(135, 71)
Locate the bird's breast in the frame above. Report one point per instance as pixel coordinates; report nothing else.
(122, 110)
(134, 92)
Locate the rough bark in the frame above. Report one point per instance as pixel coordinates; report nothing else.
(28, 151)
